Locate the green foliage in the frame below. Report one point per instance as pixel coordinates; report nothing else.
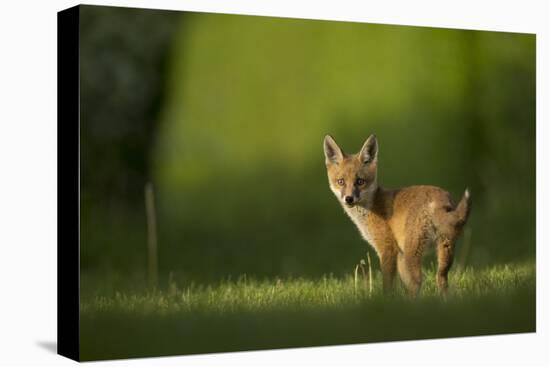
(123, 54)
(240, 168)
(249, 313)
(238, 165)
(231, 137)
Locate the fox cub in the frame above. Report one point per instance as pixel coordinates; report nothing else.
(399, 223)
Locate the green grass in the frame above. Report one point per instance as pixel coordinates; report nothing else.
(248, 314)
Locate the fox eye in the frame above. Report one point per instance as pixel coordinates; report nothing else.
(359, 182)
(340, 181)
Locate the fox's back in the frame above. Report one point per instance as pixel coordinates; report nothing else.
(418, 200)
(413, 209)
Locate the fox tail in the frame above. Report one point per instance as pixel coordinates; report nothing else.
(462, 210)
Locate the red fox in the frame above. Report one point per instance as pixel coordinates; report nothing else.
(398, 223)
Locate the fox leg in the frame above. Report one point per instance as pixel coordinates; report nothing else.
(409, 264)
(388, 266)
(445, 253)
(404, 274)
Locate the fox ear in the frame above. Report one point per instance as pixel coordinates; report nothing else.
(333, 153)
(369, 152)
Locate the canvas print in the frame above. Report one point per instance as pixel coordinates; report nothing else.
(251, 182)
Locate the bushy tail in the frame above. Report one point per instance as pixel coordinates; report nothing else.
(462, 210)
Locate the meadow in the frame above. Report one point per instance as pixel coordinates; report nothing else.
(223, 117)
(249, 313)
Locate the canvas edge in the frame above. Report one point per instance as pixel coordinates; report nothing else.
(68, 184)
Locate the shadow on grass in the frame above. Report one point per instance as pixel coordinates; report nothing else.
(117, 334)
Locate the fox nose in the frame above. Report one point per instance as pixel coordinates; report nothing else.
(349, 199)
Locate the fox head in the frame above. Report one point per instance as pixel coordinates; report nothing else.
(352, 178)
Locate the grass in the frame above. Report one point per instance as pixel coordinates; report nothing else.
(248, 314)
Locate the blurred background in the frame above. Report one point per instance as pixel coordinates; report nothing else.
(225, 115)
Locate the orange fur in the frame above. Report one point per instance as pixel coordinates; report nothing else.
(398, 223)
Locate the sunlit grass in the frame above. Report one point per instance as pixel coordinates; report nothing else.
(245, 294)
(247, 314)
